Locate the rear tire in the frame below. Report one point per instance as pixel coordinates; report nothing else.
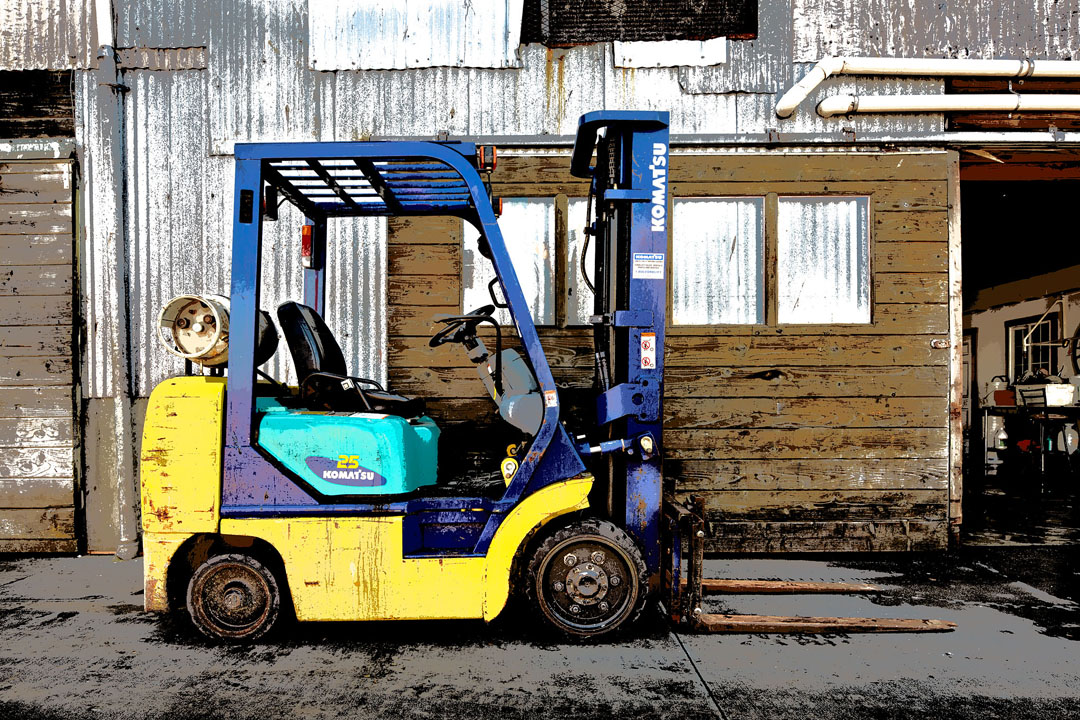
(587, 579)
(233, 597)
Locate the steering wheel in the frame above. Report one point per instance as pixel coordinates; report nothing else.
(459, 327)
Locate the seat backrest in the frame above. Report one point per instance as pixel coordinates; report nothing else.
(310, 341)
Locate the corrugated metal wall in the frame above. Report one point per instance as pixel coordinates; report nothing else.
(46, 34)
(264, 81)
(181, 126)
(1048, 29)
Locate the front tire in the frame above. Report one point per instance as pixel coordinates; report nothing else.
(233, 597)
(587, 579)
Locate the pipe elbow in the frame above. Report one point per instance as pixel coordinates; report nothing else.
(794, 97)
(838, 105)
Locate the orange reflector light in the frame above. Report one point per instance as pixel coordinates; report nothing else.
(305, 246)
(488, 157)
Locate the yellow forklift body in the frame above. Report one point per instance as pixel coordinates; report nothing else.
(180, 473)
(354, 568)
(344, 568)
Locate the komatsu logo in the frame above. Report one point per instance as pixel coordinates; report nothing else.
(659, 187)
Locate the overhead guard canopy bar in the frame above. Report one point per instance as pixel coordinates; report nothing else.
(368, 179)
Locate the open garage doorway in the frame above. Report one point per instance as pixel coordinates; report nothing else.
(1020, 239)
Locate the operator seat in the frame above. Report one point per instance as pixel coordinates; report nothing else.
(322, 374)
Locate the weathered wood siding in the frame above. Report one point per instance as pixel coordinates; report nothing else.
(36, 103)
(801, 437)
(38, 434)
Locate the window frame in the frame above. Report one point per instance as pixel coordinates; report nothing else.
(869, 259)
(564, 190)
(559, 229)
(763, 301)
(770, 226)
(1053, 320)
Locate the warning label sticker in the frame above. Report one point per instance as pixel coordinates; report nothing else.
(648, 351)
(647, 266)
(551, 398)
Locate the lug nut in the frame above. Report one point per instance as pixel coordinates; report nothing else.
(575, 609)
(570, 560)
(604, 607)
(598, 557)
(559, 587)
(615, 580)
(701, 533)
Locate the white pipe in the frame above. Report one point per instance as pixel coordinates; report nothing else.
(847, 104)
(103, 19)
(829, 66)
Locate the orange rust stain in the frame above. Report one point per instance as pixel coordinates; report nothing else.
(548, 70)
(157, 456)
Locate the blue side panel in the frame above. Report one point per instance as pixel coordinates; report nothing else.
(355, 454)
(644, 368)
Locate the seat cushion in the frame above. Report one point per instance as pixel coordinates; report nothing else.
(337, 393)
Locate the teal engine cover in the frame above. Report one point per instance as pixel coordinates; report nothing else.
(351, 453)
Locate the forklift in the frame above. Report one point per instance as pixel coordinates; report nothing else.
(324, 499)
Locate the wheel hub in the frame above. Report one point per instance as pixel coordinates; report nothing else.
(587, 584)
(235, 598)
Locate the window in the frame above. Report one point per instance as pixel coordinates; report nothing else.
(727, 266)
(1039, 353)
(591, 21)
(823, 260)
(718, 261)
(528, 228)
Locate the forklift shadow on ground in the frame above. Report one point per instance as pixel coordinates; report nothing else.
(324, 499)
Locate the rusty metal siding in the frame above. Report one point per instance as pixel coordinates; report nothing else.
(46, 34)
(545, 97)
(1048, 29)
(37, 408)
(260, 87)
(761, 65)
(391, 34)
(96, 273)
(166, 155)
(162, 23)
(179, 228)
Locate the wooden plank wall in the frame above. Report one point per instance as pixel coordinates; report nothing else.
(37, 418)
(801, 437)
(36, 103)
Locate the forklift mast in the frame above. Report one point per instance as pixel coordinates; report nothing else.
(629, 183)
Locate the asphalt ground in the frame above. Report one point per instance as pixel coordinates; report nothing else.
(75, 643)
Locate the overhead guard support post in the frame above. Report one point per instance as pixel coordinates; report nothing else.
(315, 276)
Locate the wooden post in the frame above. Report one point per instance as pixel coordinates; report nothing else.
(956, 366)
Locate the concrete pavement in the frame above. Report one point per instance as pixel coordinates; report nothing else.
(74, 643)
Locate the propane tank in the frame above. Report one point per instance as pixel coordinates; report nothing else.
(196, 328)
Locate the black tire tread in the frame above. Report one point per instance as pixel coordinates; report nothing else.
(587, 526)
(258, 566)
